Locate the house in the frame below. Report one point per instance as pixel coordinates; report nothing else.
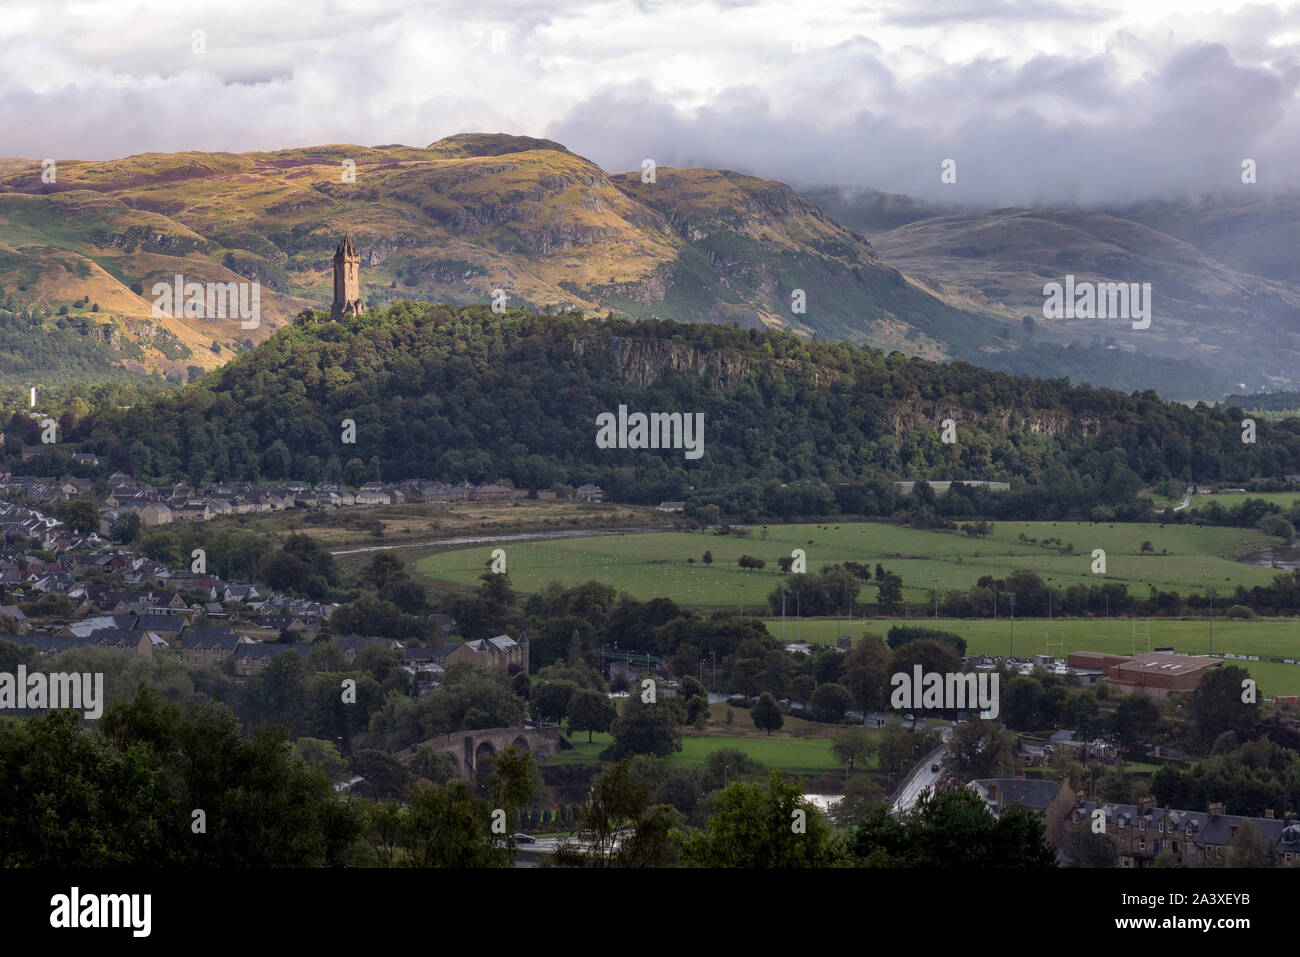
(670, 506)
(155, 513)
(373, 496)
(495, 655)
(209, 646)
(252, 656)
(227, 593)
(1196, 838)
(16, 614)
(1051, 800)
(169, 626)
(589, 493)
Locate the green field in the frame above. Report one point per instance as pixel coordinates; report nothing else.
(657, 564)
(1283, 499)
(1267, 638)
(811, 755)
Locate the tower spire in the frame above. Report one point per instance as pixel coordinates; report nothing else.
(347, 280)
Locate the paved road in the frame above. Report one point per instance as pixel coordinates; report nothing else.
(916, 783)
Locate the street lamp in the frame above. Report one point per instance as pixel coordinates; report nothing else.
(725, 769)
(702, 660)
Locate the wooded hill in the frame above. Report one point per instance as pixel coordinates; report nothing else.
(459, 393)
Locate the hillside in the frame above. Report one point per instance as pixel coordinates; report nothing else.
(453, 394)
(448, 223)
(1234, 327)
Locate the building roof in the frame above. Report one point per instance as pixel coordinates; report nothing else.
(262, 649)
(1035, 795)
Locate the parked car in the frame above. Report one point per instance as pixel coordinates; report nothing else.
(525, 839)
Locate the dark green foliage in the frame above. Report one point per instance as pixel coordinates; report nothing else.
(952, 829)
(426, 387)
(901, 634)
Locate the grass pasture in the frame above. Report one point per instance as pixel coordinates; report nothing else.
(650, 565)
(1283, 499)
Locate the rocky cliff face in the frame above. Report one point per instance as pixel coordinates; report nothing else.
(916, 413)
(648, 362)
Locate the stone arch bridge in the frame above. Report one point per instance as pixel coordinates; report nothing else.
(467, 747)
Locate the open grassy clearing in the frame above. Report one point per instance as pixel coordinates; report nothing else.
(1184, 558)
(787, 754)
(800, 746)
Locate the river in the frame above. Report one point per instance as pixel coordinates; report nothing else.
(1282, 557)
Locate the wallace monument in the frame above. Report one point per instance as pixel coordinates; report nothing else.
(347, 280)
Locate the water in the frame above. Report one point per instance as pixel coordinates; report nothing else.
(824, 802)
(1284, 557)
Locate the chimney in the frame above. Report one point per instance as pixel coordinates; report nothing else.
(1216, 808)
(1268, 814)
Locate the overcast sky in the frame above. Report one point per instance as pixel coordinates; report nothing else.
(1037, 101)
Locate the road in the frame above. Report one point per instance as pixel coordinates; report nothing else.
(909, 792)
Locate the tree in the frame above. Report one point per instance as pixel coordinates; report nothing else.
(448, 827)
(1133, 719)
(81, 514)
(1247, 848)
(436, 767)
(773, 827)
(125, 528)
(979, 749)
(1020, 702)
(644, 728)
(323, 756)
(767, 714)
(617, 800)
(590, 711)
(853, 746)
(1089, 849)
(952, 829)
(1216, 705)
(889, 590)
(860, 793)
(514, 782)
(866, 673)
(385, 776)
(830, 701)
(551, 700)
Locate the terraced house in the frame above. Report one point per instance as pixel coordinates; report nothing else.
(1197, 838)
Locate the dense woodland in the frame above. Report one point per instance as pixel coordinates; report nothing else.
(463, 394)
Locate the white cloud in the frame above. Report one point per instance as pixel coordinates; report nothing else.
(1036, 100)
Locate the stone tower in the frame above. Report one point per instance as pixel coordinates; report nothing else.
(347, 280)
